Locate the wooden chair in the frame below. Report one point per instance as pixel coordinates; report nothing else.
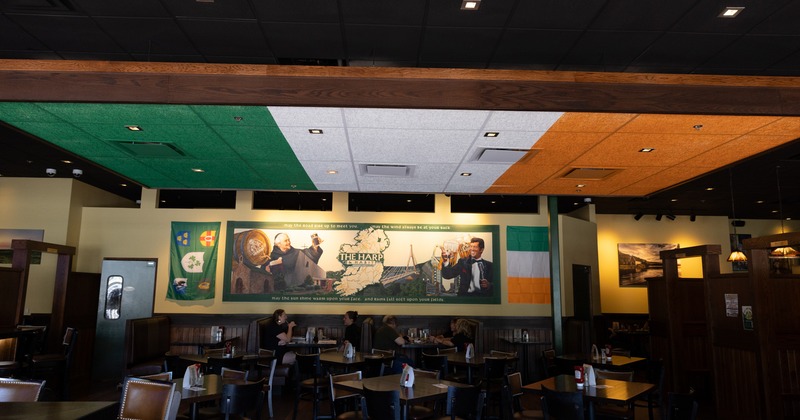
(310, 381)
(163, 376)
(388, 358)
(495, 370)
(436, 362)
(498, 353)
(240, 399)
(654, 374)
(57, 364)
(17, 390)
(514, 399)
(549, 366)
(681, 406)
(228, 373)
(564, 405)
(447, 350)
(614, 411)
(416, 411)
(148, 399)
(380, 405)
(268, 385)
(341, 397)
(465, 402)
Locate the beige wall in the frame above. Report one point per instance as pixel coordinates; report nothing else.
(144, 233)
(578, 246)
(52, 205)
(75, 214)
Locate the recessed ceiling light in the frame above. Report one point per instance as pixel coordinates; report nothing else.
(237, 119)
(710, 189)
(66, 161)
(466, 173)
(494, 202)
(198, 170)
(698, 127)
(315, 130)
(470, 4)
(580, 185)
(332, 172)
(408, 201)
(730, 12)
(646, 150)
(133, 127)
(123, 185)
(760, 202)
(491, 134)
(774, 211)
(674, 200)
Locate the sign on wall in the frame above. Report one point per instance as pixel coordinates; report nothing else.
(639, 262)
(358, 262)
(193, 260)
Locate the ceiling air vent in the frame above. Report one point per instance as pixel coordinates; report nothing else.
(501, 155)
(590, 173)
(150, 149)
(387, 170)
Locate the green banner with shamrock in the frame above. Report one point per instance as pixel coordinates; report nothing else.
(193, 260)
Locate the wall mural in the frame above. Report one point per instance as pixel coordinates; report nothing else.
(357, 262)
(639, 262)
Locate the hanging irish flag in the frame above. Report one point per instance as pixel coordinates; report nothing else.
(528, 264)
(193, 260)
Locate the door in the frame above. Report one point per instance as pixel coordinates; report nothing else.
(127, 291)
(580, 326)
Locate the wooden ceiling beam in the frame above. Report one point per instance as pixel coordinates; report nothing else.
(380, 87)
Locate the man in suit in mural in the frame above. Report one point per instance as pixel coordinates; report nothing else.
(294, 265)
(474, 272)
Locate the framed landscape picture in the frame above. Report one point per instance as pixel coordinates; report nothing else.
(639, 262)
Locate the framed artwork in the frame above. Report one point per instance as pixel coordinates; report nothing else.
(736, 243)
(639, 262)
(357, 262)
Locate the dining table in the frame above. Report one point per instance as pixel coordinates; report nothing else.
(614, 363)
(424, 389)
(337, 360)
(606, 390)
(211, 390)
(472, 363)
(525, 346)
(59, 410)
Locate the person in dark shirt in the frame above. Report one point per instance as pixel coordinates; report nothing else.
(460, 339)
(388, 338)
(277, 334)
(352, 332)
(450, 332)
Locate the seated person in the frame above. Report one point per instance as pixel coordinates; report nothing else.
(449, 333)
(388, 338)
(352, 331)
(460, 339)
(277, 335)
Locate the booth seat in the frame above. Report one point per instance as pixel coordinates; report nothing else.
(147, 341)
(282, 371)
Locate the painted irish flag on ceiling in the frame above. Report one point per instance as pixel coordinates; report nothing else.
(528, 264)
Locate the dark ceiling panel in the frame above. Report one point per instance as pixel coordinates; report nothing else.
(782, 22)
(409, 12)
(226, 38)
(641, 15)
(555, 14)
(227, 9)
(150, 36)
(674, 51)
(68, 33)
(318, 11)
(448, 13)
(128, 8)
(14, 38)
(318, 40)
(604, 49)
(459, 45)
(544, 48)
(368, 42)
(754, 53)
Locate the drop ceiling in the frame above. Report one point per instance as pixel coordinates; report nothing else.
(434, 136)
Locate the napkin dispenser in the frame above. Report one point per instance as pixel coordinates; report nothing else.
(407, 377)
(310, 334)
(470, 351)
(349, 351)
(190, 377)
(588, 373)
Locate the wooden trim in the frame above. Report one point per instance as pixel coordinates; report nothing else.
(183, 83)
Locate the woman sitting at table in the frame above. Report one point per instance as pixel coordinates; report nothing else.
(459, 340)
(277, 334)
(388, 338)
(352, 332)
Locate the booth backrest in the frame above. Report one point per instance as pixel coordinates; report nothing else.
(254, 335)
(147, 340)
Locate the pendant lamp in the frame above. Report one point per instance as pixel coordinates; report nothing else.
(736, 254)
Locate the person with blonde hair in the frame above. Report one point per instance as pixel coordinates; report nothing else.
(460, 339)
